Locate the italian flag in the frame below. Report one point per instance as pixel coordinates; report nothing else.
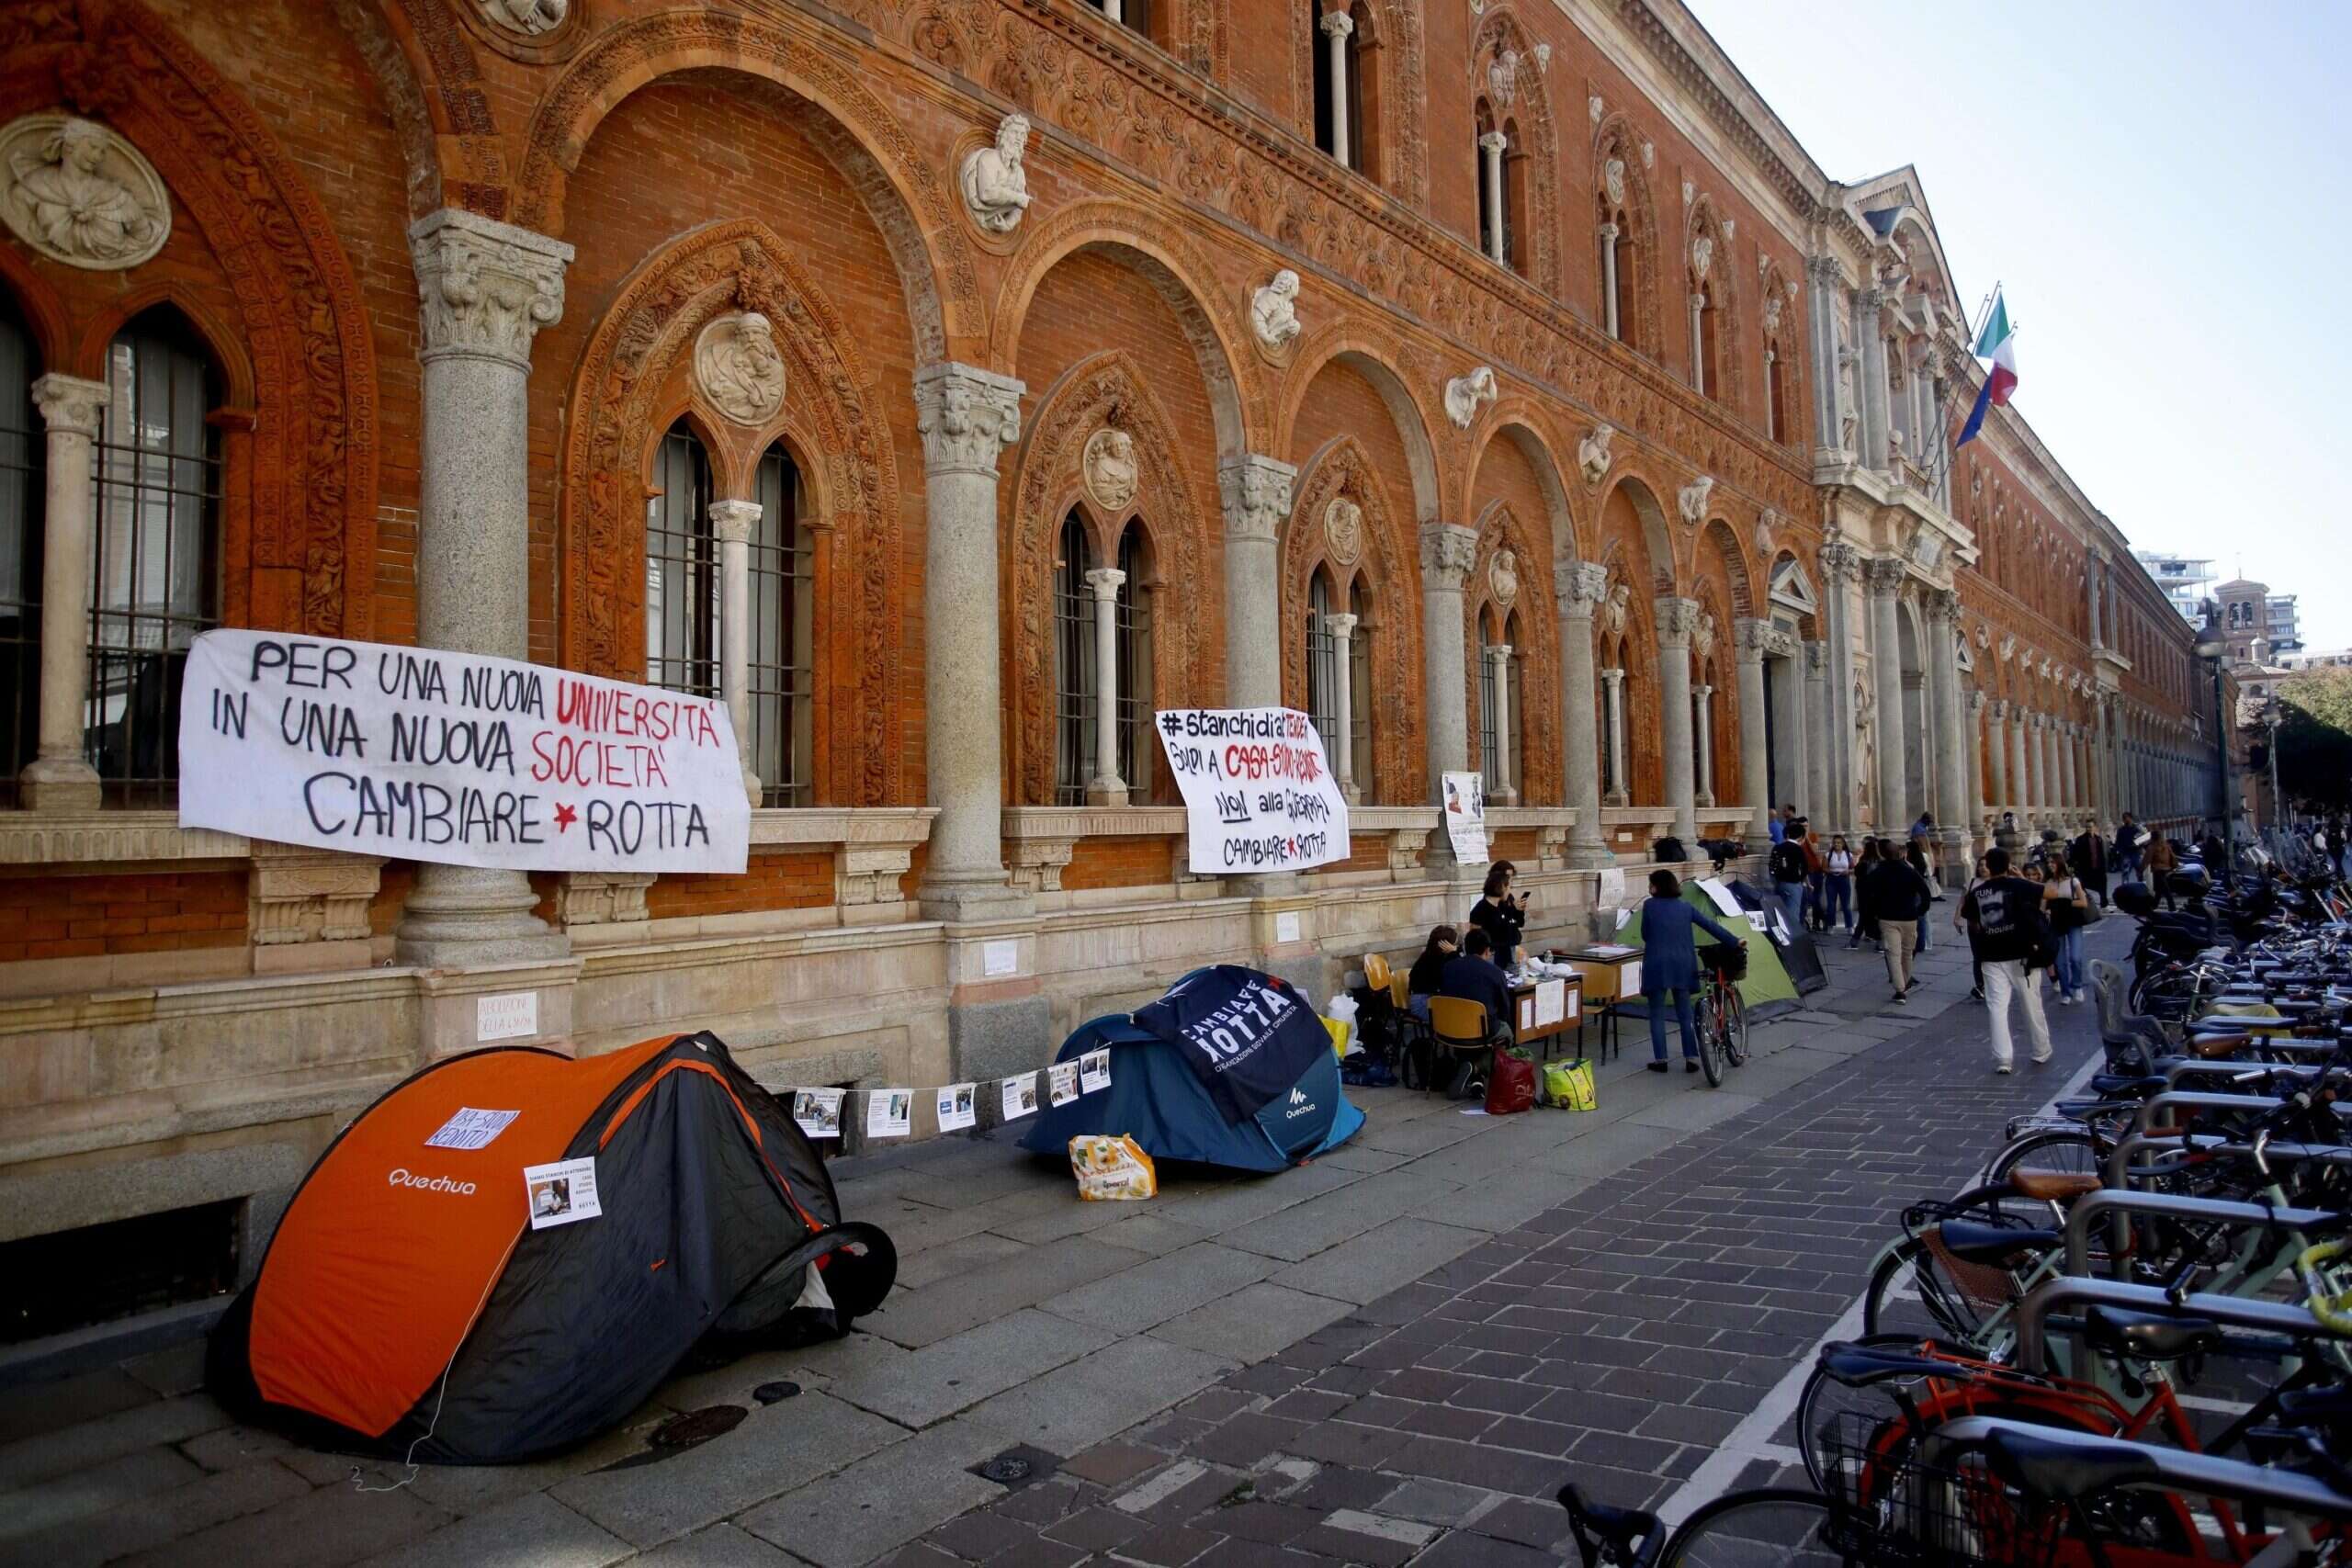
(1995, 341)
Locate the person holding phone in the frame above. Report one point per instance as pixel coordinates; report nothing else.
(1502, 914)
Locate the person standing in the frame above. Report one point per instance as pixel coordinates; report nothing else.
(2088, 855)
(1501, 913)
(2127, 837)
(2005, 924)
(2068, 907)
(2162, 863)
(1815, 868)
(1837, 885)
(1785, 865)
(1976, 948)
(1671, 963)
(1865, 912)
(1900, 897)
(1916, 857)
(1778, 823)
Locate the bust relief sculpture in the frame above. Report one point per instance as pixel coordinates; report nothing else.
(1273, 310)
(995, 185)
(1109, 469)
(739, 369)
(1693, 499)
(80, 193)
(1592, 453)
(1343, 529)
(1613, 180)
(1502, 577)
(1611, 615)
(529, 16)
(1465, 394)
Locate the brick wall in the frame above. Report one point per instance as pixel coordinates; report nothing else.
(794, 880)
(1117, 863)
(91, 917)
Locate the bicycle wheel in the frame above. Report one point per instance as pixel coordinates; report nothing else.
(2057, 1152)
(1777, 1526)
(1736, 1035)
(1711, 1037)
(1826, 1406)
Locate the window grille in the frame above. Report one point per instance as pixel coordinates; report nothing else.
(1074, 678)
(1322, 661)
(1139, 741)
(680, 570)
(155, 568)
(783, 664)
(23, 512)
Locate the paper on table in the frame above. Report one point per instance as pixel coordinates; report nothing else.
(1551, 1002)
(956, 1109)
(1020, 1096)
(1611, 949)
(889, 1113)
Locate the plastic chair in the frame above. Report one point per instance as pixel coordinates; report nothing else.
(1460, 1026)
(1375, 972)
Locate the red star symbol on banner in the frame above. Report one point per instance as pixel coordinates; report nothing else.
(565, 816)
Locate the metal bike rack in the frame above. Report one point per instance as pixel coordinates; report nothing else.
(2230, 1312)
(2171, 1206)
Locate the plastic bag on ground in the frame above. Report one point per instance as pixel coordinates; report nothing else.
(1510, 1087)
(1340, 1018)
(1111, 1167)
(1567, 1085)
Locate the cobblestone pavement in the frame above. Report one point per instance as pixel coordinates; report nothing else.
(1395, 1355)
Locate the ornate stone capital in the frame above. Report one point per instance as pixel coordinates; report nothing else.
(1448, 552)
(1883, 576)
(1677, 619)
(1942, 606)
(1816, 658)
(1840, 563)
(1341, 626)
(1494, 142)
(1578, 587)
(1256, 490)
(965, 415)
(1338, 24)
(1106, 581)
(70, 404)
(1751, 638)
(1824, 271)
(734, 521)
(487, 288)
(1975, 701)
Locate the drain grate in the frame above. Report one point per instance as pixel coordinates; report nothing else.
(696, 1427)
(1018, 1467)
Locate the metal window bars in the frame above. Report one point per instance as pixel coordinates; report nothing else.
(22, 515)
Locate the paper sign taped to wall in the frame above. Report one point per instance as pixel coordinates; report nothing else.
(1259, 794)
(562, 1192)
(1465, 812)
(456, 758)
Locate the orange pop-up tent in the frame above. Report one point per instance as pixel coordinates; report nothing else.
(506, 1253)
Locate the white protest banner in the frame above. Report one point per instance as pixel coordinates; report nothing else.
(1259, 794)
(458, 758)
(1466, 817)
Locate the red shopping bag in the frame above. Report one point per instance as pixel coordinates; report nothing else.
(1510, 1087)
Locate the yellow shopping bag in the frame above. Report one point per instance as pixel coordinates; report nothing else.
(1568, 1085)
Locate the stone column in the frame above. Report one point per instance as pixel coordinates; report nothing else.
(1620, 786)
(2035, 791)
(1677, 619)
(1499, 673)
(1875, 414)
(1448, 552)
(1490, 170)
(1342, 630)
(487, 288)
(1697, 355)
(2109, 812)
(1255, 492)
(1608, 280)
(1997, 751)
(1748, 640)
(2052, 796)
(1704, 723)
(1836, 724)
(1884, 580)
(1825, 282)
(1337, 25)
(2069, 773)
(1114, 9)
(1813, 733)
(2097, 594)
(1952, 751)
(1106, 787)
(1578, 588)
(965, 416)
(60, 777)
(734, 521)
(1972, 787)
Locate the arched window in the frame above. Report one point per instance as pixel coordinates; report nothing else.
(1517, 229)
(1501, 689)
(22, 518)
(1340, 47)
(1148, 17)
(1138, 743)
(155, 569)
(1776, 367)
(1075, 681)
(681, 587)
(782, 676)
(1322, 659)
(1616, 235)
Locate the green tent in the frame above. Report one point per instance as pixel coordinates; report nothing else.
(1766, 989)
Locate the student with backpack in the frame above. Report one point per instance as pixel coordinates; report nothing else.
(1899, 897)
(2006, 925)
(1785, 866)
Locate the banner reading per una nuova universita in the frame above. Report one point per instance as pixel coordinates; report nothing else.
(1259, 794)
(458, 758)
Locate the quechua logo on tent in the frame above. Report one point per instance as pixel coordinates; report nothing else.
(403, 1177)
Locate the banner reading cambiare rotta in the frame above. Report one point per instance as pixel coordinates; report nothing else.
(463, 759)
(1259, 794)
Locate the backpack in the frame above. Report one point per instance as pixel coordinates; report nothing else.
(1787, 863)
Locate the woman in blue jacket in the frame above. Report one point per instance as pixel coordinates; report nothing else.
(1671, 963)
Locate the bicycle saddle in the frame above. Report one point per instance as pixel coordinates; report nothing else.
(2109, 1086)
(2061, 1472)
(1859, 1366)
(1993, 1244)
(2054, 1186)
(2151, 1336)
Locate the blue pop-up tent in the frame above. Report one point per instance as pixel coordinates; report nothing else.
(1231, 1067)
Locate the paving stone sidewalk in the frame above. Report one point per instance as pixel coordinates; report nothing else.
(1394, 1354)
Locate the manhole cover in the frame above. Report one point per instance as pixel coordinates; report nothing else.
(697, 1426)
(1018, 1467)
(769, 1392)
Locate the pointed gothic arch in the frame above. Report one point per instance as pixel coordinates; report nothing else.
(1342, 470)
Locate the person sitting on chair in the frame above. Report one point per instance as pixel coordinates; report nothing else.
(1472, 975)
(1428, 968)
(1671, 963)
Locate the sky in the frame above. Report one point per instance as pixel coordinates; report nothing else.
(2165, 192)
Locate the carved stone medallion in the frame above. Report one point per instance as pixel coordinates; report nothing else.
(1502, 577)
(738, 367)
(80, 193)
(530, 17)
(1343, 530)
(1109, 469)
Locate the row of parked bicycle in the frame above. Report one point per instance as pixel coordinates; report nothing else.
(2129, 1344)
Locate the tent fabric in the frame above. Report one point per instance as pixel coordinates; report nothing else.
(1246, 1036)
(1157, 1099)
(1789, 938)
(1766, 989)
(406, 1305)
